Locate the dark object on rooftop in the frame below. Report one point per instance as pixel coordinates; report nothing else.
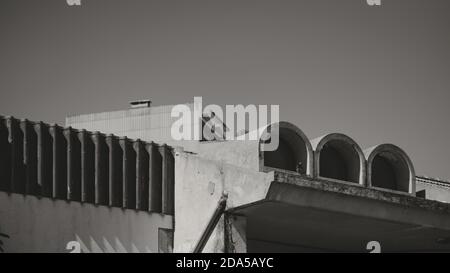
(140, 103)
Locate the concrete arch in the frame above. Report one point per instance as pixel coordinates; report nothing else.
(294, 152)
(389, 167)
(338, 157)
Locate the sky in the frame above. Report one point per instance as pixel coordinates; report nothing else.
(379, 74)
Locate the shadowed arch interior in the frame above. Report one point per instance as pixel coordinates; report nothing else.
(390, 171)
(291, 153)
(339, 160)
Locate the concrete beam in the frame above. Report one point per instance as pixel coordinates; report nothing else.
(29, 156)
(168, 180)
(142, 176)
(129, 174)
(17, 182)
(59, 170)
(87, 167)
(73, 164)
(101, 169)
(155, 178)
(5, 156)
(235, 233)
(115, 171)
(45, 159)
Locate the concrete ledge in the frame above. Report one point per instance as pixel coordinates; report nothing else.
(398, 199)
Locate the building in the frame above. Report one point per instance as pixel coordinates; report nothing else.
(132, 188)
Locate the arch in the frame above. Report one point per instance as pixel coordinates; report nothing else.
(294, 152)
(389, 167)
(338, 157)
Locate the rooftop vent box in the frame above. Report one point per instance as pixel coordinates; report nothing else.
(140, 103)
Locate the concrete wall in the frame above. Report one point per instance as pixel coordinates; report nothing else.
(46, 225)
(244, 154)
(198, 188)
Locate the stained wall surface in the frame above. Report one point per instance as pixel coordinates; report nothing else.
(46, 225)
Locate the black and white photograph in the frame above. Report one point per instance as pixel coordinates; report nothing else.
(248, 129)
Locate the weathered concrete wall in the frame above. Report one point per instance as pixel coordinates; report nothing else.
(244, 154)
(46, 225)
(198, 188)
(293, 148)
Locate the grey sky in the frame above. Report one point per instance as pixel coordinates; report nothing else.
(378, 74)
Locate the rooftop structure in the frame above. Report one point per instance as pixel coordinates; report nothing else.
(120, 191)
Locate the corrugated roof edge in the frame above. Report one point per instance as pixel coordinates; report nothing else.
(122, 112)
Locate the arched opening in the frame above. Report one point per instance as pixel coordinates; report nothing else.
(390, 171)
(294, 152)
(339, 160)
